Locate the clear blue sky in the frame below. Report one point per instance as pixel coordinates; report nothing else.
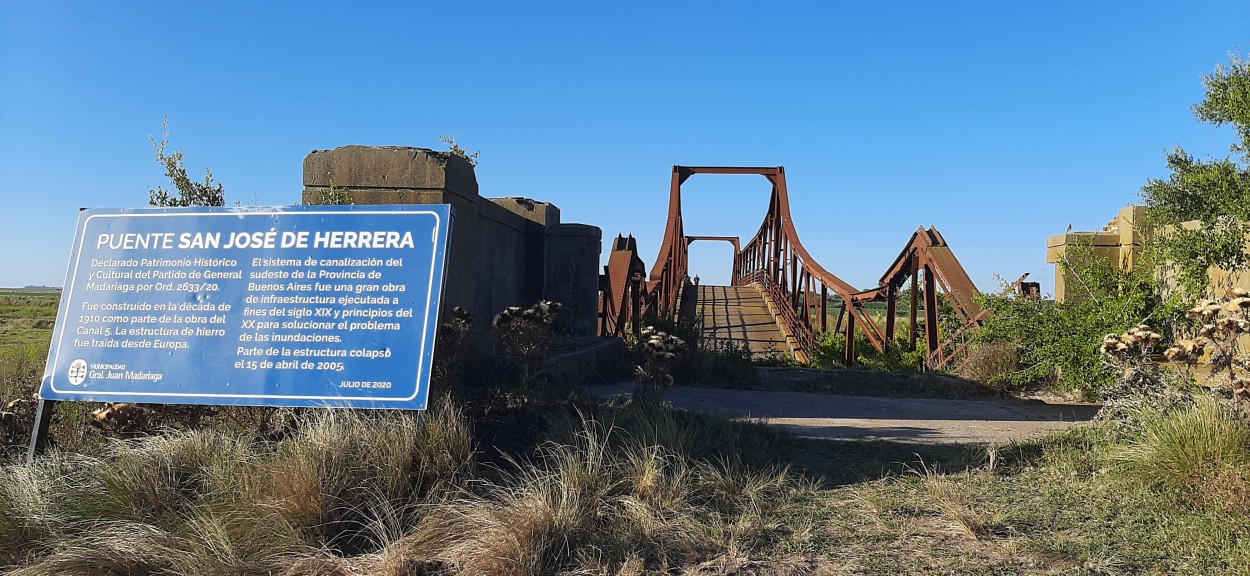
(999, 122)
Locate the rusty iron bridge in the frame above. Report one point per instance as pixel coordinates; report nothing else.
(780, 300)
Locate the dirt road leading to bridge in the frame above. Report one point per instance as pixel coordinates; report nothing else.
(917, 420)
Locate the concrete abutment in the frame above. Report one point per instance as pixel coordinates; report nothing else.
(504, 251)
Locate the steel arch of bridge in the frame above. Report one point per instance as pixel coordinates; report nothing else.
(798, 286)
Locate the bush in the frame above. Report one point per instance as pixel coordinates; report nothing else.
(831, 349)
(652, 377)
(1143, 385)
(704, 360)
(1058, 341)
(1223, 326)
(723, 361)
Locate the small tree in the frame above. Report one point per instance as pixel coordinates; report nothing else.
(189, 192)
(1058, 340)
(1215, 193)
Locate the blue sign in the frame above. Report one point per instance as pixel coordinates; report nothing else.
(294, 306)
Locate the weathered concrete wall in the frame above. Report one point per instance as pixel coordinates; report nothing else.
(504, 251)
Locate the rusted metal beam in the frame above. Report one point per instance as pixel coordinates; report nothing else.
(915, 293)
(745, 170)
(824, 307)
(891, 308)
(848, 357)
(621, 289)
(930, 312)
(730, 239)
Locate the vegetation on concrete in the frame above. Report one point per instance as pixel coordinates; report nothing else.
(186, 192)
(334, 196)
(457, 150)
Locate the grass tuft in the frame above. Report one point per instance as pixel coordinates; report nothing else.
(1199, 454)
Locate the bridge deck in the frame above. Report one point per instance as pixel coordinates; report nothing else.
(740, 314)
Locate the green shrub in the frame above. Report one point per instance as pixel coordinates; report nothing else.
(831, 350)
(1059, 341)
(723, 361)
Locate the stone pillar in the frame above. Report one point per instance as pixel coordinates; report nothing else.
(572, 274)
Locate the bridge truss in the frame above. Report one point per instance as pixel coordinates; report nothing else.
(800, 290)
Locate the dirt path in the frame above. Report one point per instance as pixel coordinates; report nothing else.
(919, 420)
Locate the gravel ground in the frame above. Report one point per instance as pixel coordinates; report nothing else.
(918, 420)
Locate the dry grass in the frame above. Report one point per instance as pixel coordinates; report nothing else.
(211, 502)
(615, 506)
(399, 493)
(988, 362)
(614, 493)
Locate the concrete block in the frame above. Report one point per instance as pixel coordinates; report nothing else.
(535, 211)
(390, 167)
(504, 251)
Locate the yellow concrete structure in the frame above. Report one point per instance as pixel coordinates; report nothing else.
(1121, 241)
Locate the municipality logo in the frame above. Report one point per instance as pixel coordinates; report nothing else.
(77, 371)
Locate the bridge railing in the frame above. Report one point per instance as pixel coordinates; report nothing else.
(927, 255)
(798, 286)
(805, 340)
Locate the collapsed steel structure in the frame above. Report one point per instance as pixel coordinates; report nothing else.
(797, 287)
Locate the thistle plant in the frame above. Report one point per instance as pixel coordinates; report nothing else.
(1225, 324)
(660, 352)
(16, 419)
(1142, 384)
(1132, 349)
(526, 335)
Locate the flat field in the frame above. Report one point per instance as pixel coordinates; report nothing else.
(26, 320)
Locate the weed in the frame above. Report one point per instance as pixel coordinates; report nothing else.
(1224, 324)
(660, 352)
(897, 358)
(722, 361)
